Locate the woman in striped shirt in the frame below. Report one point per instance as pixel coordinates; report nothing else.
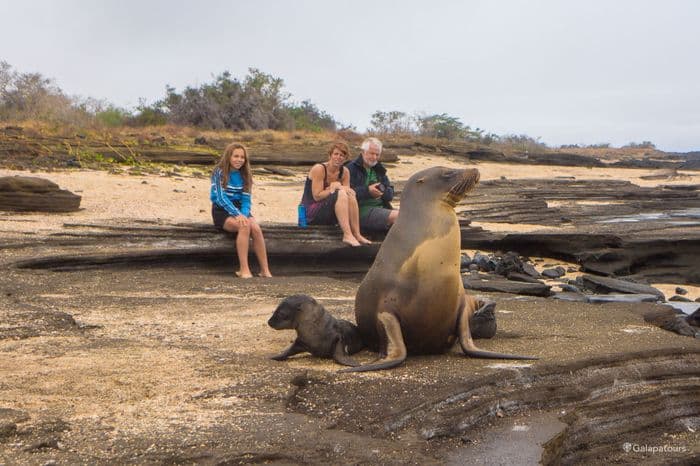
(231, 201)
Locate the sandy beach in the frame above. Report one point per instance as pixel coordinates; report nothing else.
(184, 196)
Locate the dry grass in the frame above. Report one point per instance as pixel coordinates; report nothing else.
(184, 136)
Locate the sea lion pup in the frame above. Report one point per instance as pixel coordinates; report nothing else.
(318, 332)
(482, 323)
(412, 299)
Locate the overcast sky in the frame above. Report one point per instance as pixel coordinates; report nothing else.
(565, 71)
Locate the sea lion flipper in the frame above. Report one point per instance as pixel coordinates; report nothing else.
(294, 348)
(467, 307)
(395, 346)
(341, 357)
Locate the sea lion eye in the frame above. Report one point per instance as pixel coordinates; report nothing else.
(448, 174)
(420, 180)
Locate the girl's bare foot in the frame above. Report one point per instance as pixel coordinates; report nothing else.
(351, 241)
(240, 274)
(265, 274)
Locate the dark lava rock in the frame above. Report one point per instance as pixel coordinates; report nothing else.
(509, 262)
(569, 288)
(570, 296)
(274, 171)
(681, 291)
(690, 165)
(556, 272)
(530, 269)
(668, 319)
(201, 141)
(685, 308)
(694, 318)
(622, 298)
(464, 261)
(521, 277)
(506, 286)
(607, 285)
(31, 194)
(682, 299)
(484, 262)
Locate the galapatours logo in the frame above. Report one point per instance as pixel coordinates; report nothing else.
(633, 447)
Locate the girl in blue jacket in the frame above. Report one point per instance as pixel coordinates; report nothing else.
(231, 184)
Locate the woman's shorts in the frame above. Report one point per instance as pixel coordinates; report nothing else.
(323, 212)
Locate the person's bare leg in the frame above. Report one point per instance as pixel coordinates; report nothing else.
(354, 217)
(260, 248)
(242, 245)
(393, 215)
(342, 214)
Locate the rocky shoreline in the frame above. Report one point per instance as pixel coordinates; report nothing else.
(129, 341)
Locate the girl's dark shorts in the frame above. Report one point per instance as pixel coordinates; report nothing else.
(323, 212)
(219, 215)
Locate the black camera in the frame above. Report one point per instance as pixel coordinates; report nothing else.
(381, 187)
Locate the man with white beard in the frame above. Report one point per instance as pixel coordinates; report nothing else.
(374, 192)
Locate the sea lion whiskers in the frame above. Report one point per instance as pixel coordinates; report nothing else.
(457, 192)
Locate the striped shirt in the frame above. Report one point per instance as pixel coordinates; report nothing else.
(232, 198)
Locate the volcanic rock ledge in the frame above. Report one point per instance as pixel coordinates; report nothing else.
(32, 194)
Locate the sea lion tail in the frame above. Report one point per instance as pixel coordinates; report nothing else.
(375, 366)
(477, 353)
(465, 337)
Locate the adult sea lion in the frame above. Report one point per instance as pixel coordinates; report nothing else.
(412, 300)
(318, 332)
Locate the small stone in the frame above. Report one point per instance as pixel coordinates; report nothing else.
(678, 298)
(531, 270)
(681, 291)
(556, 272)
(569, 288)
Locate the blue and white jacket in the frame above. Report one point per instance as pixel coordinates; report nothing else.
(232, 198)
